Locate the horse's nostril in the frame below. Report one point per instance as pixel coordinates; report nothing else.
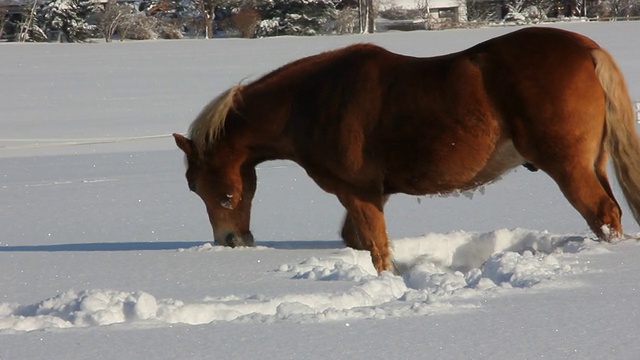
(232, 240)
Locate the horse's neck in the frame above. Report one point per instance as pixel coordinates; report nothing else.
(267, 114)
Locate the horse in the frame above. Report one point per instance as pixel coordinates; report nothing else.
(366, 123)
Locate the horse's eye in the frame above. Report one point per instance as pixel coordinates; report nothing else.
(192, 186)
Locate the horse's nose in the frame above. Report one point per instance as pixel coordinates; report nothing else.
(234, 239)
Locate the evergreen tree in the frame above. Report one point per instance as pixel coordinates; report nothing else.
(28, 29)
(295, 17)
(69, 17)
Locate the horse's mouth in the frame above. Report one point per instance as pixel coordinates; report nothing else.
(233, 240)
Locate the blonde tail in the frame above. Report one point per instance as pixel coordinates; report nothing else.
(622, 142)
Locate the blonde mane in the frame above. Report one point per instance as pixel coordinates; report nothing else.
(208, 127)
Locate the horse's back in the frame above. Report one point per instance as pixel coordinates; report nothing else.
(532, 56)
(539, 37)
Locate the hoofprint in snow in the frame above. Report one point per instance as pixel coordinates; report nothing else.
(442, 273)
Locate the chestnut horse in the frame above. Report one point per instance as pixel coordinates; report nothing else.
(366, 123)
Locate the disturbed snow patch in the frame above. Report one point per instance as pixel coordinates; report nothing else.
(81, 309)
(441, 272)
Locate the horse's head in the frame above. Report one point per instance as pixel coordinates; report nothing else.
(218, 171)
(226, 184)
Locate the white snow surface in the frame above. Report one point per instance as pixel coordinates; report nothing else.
(105, 254)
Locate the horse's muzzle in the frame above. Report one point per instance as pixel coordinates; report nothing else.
(233, 239)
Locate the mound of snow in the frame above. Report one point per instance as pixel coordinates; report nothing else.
(440, 272)
(84, 308)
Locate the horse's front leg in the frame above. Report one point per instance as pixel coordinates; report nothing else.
(364, 227)
(349, 232)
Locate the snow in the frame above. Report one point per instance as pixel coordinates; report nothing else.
(105, 254)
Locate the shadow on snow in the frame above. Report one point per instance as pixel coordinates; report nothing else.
(163, 245)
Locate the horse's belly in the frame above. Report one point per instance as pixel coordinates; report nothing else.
(505, 158)
(455, 172)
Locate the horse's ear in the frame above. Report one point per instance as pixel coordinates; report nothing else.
(184, 144)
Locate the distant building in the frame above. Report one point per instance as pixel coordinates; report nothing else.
(432, 11)
(448, 10)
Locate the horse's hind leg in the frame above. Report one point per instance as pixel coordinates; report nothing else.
(568, 144)
(601, 173)
(587, 188)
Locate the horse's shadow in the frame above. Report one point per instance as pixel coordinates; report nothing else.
(165, 245)
(302, 245)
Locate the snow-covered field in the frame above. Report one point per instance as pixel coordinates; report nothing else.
(105, 254)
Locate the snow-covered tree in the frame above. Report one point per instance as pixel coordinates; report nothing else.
(3, 17)
(69, 17)
(246, 21)
(620, 8)
(295, 17)
(137, 27)
(205, 10)
(346, 21)
(367, 16)
(111, 17)
(28, 29)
